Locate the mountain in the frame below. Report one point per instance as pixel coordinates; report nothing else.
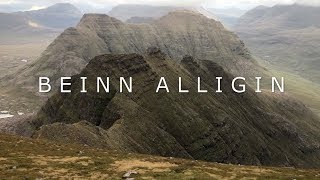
(38, 24)
(126, 11)
(19, 23)
(284, 36)
(74, 161)
(177, 34)
(249, 128)
(59, 16)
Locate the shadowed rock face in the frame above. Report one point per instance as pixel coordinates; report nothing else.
(226, 127)
(177, 34)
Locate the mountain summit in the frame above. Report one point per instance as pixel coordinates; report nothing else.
(62, 8)
(61, 15)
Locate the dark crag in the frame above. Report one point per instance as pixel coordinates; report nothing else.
(249, 128)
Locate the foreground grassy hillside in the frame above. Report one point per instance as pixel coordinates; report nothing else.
(29, 158)
(304, 90)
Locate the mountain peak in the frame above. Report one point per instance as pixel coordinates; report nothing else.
(184, 14)
(62, 7)
(92, 19)
(261, 7)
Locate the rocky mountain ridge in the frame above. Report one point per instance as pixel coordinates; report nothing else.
(177, 34)
(222, 127)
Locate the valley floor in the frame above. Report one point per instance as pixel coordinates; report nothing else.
(23, 158)
(15, 56)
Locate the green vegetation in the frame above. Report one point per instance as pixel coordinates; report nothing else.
(297, 87)
(304, 90)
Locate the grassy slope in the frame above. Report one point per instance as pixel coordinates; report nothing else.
(29, 158)
(303, 90)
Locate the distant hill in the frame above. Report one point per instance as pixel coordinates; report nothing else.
(285, 36)
(19, 23)
(126, 11)
(59, 16)
(136, 13)
(38, 24)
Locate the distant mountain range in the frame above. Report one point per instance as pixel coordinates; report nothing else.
(285, 36)
(126, 11)
(37, 23)
(44, 23)
(135, 13)
(59, 16)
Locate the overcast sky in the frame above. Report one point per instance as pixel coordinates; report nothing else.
(15, 5)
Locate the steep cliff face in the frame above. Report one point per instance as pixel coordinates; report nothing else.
(177, 34)
(247, 128)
